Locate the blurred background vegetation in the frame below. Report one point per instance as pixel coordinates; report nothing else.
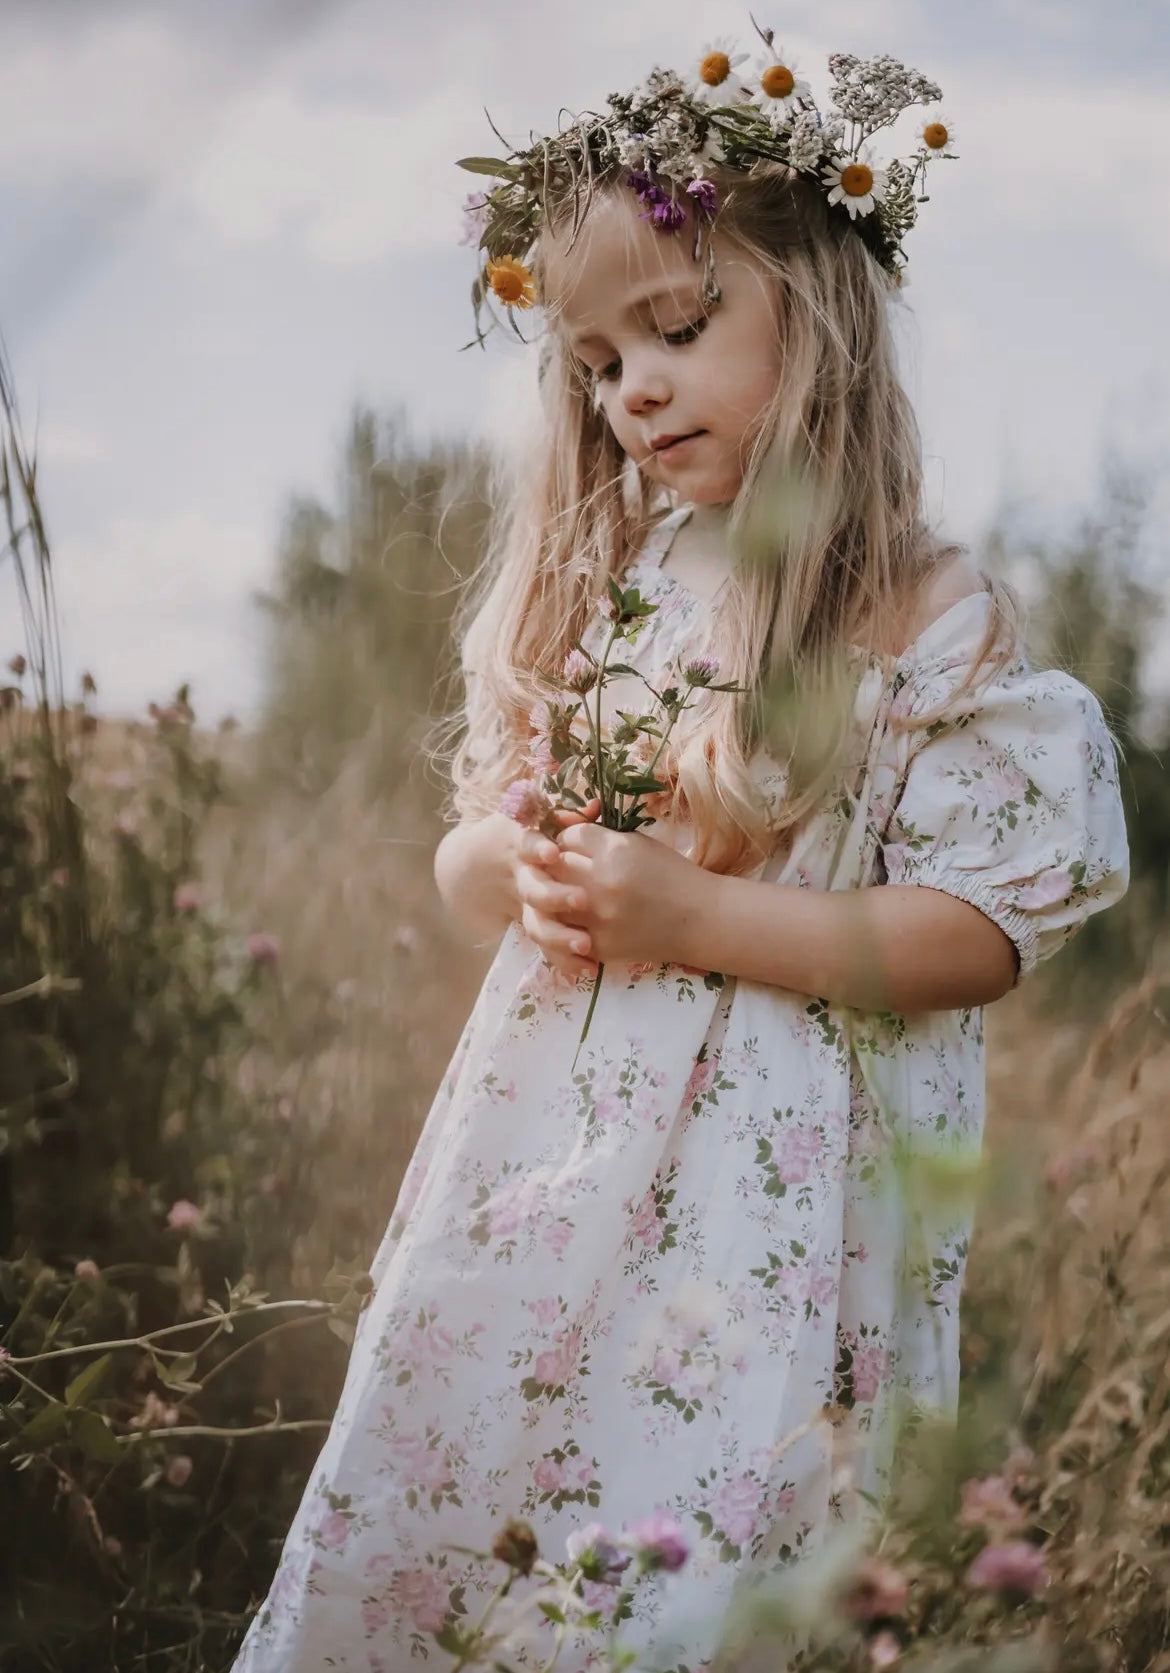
(227, 996)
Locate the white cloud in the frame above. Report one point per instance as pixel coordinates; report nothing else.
(355, 183)
(151, 603)
(68, 444)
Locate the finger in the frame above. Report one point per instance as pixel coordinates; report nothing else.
(573, 869)
(580, 839)
(537, 850)
(563, 941)
(587, 815)
(555, 900)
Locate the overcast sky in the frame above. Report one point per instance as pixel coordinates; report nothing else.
(224, 221)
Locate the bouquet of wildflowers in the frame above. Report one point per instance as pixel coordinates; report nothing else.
(577, 759)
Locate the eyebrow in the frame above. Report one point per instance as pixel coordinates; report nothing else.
(578, 339)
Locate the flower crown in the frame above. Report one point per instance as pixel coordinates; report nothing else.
(669, 129)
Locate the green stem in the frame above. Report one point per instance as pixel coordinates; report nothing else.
(588, 1015)
(215, 1322)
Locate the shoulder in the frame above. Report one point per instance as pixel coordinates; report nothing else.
(949, 584)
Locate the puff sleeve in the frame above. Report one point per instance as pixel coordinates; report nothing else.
(1014, 806)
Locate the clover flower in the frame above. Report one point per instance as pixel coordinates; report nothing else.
(598, 1558)
(705, 195)
(658, 1541)
(526, 803)
(475, 217)
(1015, 1567)
(990, 1504)
(701, 670)
(184, 1216)
(263, 949)
(579, 672)
(187, 897)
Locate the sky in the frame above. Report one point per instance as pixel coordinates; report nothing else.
(225, 222)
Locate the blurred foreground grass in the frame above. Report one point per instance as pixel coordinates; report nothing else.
(226, 998)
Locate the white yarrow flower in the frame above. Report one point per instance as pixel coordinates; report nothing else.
(715, 81)
(856, 182)
(778, 86)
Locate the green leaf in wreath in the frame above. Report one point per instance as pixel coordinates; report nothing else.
(489, 165)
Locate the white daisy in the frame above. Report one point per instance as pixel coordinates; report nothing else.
(936, 133)
(778, 86)
(715, 81)
(856, 182)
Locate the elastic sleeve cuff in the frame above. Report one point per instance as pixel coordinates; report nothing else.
(1016, 924)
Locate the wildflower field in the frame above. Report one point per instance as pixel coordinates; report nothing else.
(227, 995)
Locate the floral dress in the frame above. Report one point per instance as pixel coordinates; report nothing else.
(639, 1284)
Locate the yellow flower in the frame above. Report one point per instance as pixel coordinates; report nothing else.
(936, 132)
(714, 80)
(511, 282)
(778, 85)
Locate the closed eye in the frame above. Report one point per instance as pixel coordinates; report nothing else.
(686, 334)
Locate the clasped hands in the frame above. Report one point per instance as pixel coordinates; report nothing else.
(596, 896)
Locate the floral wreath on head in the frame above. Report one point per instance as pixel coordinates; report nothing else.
(670, 129)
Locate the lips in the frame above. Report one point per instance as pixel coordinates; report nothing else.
(663, 442)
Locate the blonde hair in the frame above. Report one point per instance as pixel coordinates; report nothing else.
(827, 527)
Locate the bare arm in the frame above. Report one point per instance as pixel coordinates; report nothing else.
(891, 947)
(475, 874)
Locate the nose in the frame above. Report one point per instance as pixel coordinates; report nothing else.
(644, 384)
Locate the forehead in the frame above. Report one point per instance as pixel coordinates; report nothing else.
(617, 262)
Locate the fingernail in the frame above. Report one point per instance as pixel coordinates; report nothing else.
(580, 946)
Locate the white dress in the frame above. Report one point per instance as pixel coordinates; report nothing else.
(629, 1287)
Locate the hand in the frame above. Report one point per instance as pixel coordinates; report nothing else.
(550, 910)
(628, 892)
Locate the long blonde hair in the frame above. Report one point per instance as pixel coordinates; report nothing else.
(827, 526)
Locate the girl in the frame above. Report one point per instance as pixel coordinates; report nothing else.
(711, 1270)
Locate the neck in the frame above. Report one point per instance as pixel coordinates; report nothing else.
(709, 522)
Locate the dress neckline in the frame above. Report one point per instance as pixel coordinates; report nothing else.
(954, 626)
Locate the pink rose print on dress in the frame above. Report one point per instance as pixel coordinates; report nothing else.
(420, 1465)
(334, 1531)
(1051, 888)
(375, 1616)
(558, 1236)
(421, 1594)
(547, 1309)
(735, 1508)
(700, 1080)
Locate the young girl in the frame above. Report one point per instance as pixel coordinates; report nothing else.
(714, 1268)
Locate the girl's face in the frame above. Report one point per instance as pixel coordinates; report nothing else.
(631, 311)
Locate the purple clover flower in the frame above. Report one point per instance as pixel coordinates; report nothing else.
(1016, 1567)
(599, 1558)
(475, 214)
(525, 802)
(705, 195)
(658, 1541)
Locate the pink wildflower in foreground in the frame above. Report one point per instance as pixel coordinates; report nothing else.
(526, 803)
(878, 1590)
(263, 948)
(178, 1470)
(187, 897)
(579, 673)
(599, 1558)
(701, 670)
(87, 1272)
(1015, 1567)
(658, 1541)
(183, 1216)
(989, 1504)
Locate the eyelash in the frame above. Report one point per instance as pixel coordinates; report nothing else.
(679, 339)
